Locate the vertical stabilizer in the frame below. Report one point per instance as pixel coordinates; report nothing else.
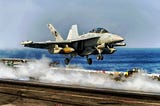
(73, 33)
(55, 33)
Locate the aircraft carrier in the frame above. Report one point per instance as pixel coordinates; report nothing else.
(32, 92)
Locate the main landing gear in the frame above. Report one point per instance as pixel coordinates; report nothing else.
(99, 57)
(66, 61)
(89, 60)
(69, 57)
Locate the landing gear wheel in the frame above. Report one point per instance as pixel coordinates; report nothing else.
(99, 57)
(89, 61)
(66, 61)
(102, 58)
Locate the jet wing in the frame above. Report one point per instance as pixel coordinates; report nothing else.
(43, 45)
(47, 44)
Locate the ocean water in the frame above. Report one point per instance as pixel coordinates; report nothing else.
(123, 59)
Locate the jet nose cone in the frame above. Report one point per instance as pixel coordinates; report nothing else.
(121, 38)
(118, 38)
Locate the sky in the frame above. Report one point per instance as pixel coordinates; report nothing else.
(138, 21)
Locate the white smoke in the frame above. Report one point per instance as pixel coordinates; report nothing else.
(39, 70)
(6, 72)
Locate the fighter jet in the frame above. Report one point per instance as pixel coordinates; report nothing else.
(96, 42)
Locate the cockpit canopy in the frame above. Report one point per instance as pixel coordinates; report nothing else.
(99, 30)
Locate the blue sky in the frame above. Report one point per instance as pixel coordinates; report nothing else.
(136, 20)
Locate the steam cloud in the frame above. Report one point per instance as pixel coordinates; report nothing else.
(41, 71)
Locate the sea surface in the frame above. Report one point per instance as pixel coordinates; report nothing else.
(123, 59)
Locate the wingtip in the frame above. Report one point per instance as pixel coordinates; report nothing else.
(26, 42)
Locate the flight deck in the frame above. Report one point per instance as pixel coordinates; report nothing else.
(30, 93)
